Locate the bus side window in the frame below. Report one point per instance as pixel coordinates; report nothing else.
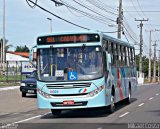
(112, 52)
(109, 47)
(122, 60)
(133, 55)
(119, 53)
(131, 52)
(105, 62)
(105, 44)
(116, 54)
(127, 56)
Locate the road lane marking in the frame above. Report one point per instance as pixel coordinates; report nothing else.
(46, 113)
(9, 88)
(31, 118)
(151, 98)
(124, 114)
(157, 94)
(140, 104)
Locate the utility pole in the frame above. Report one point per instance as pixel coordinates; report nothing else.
(3, 52)
(150, 54)
(119, 20)
(154, 71)
(159, 67)
(141, 45)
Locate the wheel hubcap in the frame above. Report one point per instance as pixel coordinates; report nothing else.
(129, 95)
(112, 103)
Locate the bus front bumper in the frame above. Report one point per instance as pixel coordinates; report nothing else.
(98, 100)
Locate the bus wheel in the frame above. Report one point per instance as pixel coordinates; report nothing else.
(128, 100)
(56, 112)
(112, 106)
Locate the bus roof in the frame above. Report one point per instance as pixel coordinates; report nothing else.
(117, 40)
(89, 31)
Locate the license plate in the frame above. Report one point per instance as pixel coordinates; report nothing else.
(68, 102)
(30, 91)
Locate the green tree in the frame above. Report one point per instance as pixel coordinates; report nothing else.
(7, 46)
(145, 65)
(22, 49)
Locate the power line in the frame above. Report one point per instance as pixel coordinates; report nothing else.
(58, 16)
(93, 11)
(101, 7)
(105, 5)
(94, 17)
(148, 11)
(63, 18)
(135, 8)
(32, 6)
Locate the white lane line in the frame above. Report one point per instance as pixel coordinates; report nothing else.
(28, 119)
(140, 104)
(157, 94)
(31, 118)
(9, 88)
(124, 114)
(46, 113)
(151, 98)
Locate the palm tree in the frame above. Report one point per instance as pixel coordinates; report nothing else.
(7, 46)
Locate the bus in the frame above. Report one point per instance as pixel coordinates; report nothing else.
(85, 69)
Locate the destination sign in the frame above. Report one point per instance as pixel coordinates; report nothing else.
(58, 39)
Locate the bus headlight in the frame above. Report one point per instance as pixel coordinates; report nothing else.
(43, 94)
(96, 91)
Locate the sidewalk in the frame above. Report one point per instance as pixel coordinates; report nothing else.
(149, 83)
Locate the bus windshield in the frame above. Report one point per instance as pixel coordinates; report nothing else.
(70, 63)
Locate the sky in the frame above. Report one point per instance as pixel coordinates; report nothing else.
(24, 24)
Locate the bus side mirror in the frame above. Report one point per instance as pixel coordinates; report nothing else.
(109, 58)
(31, 55)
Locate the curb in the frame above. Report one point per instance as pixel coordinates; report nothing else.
(9, 88)
(147, 84)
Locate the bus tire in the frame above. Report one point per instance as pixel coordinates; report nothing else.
(128, 99)
(112, 106)
(56, 112)
(23, 94)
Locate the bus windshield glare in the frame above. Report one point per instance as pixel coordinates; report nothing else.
(70, 63)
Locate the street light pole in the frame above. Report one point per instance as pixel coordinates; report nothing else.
(50, 23)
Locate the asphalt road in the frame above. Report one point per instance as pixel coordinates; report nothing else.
(144, 111)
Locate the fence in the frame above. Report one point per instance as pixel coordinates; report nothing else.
(12, 72)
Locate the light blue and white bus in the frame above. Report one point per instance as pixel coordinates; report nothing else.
(84, 70)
